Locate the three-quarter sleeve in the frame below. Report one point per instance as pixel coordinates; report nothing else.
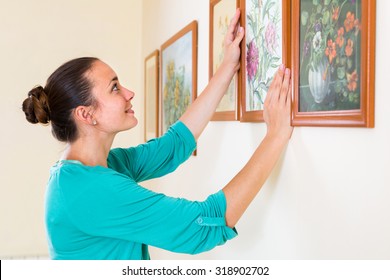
(157, 157)
(116, 208)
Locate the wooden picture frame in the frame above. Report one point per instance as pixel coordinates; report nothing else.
(333, 64)
(265, 47)
(221, 12)
(151, 95)
(178, 58)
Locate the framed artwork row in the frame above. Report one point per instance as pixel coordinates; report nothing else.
(328, 44)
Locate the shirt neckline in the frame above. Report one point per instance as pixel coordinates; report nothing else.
(70, 161)
(79, 163)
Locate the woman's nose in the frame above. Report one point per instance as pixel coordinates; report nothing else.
(128, 94)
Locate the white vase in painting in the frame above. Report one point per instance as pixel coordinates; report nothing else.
(319, 80)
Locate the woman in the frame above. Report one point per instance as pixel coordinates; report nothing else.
(95, 208)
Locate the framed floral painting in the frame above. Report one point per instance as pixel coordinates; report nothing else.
(221, 12)
(151, 95)
(264, 49)
(178, 75)
(333, 62)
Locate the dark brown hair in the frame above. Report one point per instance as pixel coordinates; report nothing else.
(67, 88)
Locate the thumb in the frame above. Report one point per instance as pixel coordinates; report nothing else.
(239, 36)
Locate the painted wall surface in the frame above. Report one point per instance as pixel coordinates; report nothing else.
(328, 197)
(37, 37)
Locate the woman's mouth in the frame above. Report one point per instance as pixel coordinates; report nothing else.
(129, 111)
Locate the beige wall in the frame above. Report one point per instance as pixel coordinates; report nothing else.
(36, 37)
(328, 197)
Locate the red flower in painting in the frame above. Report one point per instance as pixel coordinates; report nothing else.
(340, 37)
(335, 14)
(349, 22)
(330, 50)
(252, 60)
(349, 48)
(352, 80)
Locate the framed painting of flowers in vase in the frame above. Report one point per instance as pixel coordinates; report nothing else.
(333, 62)
(264, 48)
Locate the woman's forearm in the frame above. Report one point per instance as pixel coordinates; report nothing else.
(200, 112)
(248, 182)
(243, 188)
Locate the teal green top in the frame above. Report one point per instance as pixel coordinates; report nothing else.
(103, 213)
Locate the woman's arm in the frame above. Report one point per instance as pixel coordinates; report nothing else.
(200, 112)
(248, 182)
(155, 158)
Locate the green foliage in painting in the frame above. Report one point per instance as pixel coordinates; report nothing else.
(176, 94)
(263, 44)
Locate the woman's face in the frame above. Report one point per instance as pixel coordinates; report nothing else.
(113, 112)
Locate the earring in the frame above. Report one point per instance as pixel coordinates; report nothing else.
(94, 122)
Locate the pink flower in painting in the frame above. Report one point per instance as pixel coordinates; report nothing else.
(270, 38)
(252, 60)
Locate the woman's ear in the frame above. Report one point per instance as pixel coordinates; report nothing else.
(83, 114)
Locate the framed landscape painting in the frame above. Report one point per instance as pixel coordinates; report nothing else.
(178, 75)
(221, 12)
(333, 62)
(264, 49)
(151, 95)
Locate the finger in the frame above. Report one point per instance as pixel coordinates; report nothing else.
(289, 96)
(232, 29)
(285, 85)
(278, 77)
(288, 104)
(274, 89)
(239, 36)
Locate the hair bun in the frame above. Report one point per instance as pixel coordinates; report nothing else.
(36, 106)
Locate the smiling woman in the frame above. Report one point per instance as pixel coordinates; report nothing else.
(95, 207)
(83, 98)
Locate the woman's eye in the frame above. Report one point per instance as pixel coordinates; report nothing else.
(115, 87)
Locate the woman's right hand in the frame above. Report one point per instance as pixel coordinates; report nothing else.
(277, 105)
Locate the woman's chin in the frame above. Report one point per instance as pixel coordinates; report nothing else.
(134, 122)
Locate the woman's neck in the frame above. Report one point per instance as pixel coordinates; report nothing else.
(89, 151)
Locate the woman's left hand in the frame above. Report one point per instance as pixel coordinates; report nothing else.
(232, 41)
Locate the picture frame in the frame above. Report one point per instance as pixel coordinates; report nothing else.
(151, 89)
(221, 12)
(265, 47)
(178, 85)
(333, 63)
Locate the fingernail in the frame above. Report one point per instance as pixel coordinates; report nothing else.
(287, 71)
(282, 67)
